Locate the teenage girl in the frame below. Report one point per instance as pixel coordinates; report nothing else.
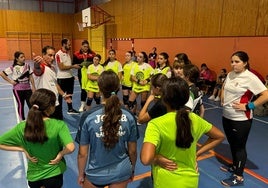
(112, 64)
(126, 81)
(22, 81)
(93, 72)
(158, 108)
(107, 140)
(163, 65)
(238, 90)
(44, 140)
(175, 136)
(140, 75)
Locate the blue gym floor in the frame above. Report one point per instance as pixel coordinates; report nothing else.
(13, 164)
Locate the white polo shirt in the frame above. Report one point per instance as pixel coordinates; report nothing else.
(240, 87)
(65, 58)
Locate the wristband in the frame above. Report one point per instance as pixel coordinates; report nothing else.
(251, 106)
(247, 108)
(148, 80)
(64, 95)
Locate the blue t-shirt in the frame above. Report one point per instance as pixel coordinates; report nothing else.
(106, 166)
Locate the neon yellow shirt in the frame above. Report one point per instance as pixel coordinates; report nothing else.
(84, 78)
(161, 132)
(93, 70)
(141, 72)
(114, 66)
(127, 76)
(166, 71)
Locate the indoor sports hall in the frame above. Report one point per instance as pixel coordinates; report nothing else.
(208, 31)
(13, 164)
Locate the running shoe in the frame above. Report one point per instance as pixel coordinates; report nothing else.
(217, 99)
(212, 97)
(233, 181)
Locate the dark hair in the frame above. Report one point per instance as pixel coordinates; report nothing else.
(224, 70)
(85, 42)
(112, 50)
(109, 84)
(44, 50)
(175, 94)
(243, 56)
(42, 102)
(131, 53)
(158, 80)
(145, 56)
(64, 41)
(108, 59)
(89, 49)
(183, 58)
(191, 72)
(98, 56)
(16, 56)
(166, 56)
(204, 65)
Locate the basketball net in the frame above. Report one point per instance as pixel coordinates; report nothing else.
(80, 26)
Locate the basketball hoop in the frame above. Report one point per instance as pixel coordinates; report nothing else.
(80, 26)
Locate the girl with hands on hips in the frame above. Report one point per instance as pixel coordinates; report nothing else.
(43, 140)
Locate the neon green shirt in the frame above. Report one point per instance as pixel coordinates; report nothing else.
(58, 137)
(161, 132)
(141, 72)
(93, 70)
(84, 78)
(114, 66)
(166, 71)
(127, 76)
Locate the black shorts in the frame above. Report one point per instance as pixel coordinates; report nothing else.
(55, 182)
(126, 88)
(100, 186)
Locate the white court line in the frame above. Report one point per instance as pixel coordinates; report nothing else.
(25, 162)
(215, 107)
(212, 108)
(8, 98)
(263, 121)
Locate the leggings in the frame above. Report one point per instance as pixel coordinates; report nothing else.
(237, 135)
(22, 96)
(53, 182)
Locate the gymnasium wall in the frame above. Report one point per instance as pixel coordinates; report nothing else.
(208, 30)
(29, 31)
(214, 51)
(191, 18)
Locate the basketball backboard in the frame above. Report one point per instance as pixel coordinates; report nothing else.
(86, 17)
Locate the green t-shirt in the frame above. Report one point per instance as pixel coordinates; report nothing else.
(58, 137)
(161, 132)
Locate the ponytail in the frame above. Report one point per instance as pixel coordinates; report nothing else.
(109, 84)
(184, 136)
(112, 115)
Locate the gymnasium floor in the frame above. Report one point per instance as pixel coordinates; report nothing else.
(13, 164)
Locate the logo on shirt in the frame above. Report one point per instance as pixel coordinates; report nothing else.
(119, 133)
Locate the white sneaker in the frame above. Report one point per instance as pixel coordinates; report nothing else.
(212, 97)
(82, 107)
(217, 99)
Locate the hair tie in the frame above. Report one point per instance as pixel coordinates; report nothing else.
(113, 93)
(36, 106)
